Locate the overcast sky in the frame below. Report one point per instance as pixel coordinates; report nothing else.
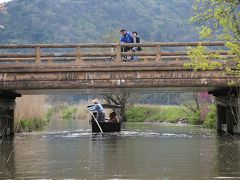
(1, 1)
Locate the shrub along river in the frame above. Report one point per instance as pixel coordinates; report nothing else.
(68, 150)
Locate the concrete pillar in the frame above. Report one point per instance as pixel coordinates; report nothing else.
(221, 117)
(231, 118)
(228, 114)
(7, 116)
(11, 122)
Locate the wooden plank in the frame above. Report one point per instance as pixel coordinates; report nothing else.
(38, 55)
(78, 55)
(158, 53)
(102, 45)
(118, 53)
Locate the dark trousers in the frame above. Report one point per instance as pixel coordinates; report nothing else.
(125, 49)
(100, 116)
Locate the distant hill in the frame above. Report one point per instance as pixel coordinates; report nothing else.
(78, 21)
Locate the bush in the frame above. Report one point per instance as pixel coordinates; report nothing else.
(49, 114)
(136, 114)
(28, 125)
(141, 113)
(69, 112)
(195, 118)
(210, 121)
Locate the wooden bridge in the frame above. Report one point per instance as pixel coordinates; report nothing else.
(28, 68)
(55, 68)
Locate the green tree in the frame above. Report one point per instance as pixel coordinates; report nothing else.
(219, 19)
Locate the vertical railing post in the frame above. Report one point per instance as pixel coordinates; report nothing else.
(158, 52)
(38, 54)
(118, 52)
(78, 55)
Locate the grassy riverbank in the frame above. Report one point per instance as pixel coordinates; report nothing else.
(31, 113)
(170, 114)
(155, 113)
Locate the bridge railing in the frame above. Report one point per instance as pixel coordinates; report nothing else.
(12, 54)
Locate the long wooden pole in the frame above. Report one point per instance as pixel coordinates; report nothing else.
(96, 121)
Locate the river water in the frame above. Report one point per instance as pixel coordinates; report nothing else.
(69, 150)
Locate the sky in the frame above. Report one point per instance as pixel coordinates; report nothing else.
(1, 1)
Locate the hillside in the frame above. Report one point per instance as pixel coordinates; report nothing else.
(78, 21)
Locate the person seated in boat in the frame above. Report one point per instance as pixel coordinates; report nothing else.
(97, 107)
(113, 117)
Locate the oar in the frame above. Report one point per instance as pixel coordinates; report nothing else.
(96, 121)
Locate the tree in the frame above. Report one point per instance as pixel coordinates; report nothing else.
(123, 99)
(2, 7)
(196, 106)
(2, 10)
(219, 19)
(119, 99)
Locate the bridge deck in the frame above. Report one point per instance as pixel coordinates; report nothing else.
(41, 67)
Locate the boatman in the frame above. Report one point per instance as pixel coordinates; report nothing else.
(97, 107)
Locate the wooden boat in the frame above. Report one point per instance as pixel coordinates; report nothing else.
(105, 125)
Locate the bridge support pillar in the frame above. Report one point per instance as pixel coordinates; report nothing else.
(228, 114)
(7, 116)
(221, 118)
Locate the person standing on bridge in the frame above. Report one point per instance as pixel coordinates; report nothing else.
(98, 108)
(126, 37)
(136, 39)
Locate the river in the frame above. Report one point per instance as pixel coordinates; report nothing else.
(69, 150)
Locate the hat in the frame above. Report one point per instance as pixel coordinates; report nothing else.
(95, 101)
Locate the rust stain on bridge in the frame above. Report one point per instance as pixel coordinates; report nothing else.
(91, 66)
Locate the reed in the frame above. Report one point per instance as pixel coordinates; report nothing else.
(30, 112)
(82, 113)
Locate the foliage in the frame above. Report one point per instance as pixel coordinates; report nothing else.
(172, 114)
(219, 20)
(136, 114)
(64, 21)
(196, 107)
(201, 59)
(50, 113)
(28, 125)
(210, 121)
(195, 118)
(69, 112)
(123, 99)
(151, 113)
(234, 49)
(35, 124)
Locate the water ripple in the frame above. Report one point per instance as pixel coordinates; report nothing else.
(87, 133)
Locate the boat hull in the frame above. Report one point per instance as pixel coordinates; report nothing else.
(106, 127)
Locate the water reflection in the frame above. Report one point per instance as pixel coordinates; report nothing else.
(7, 160)
(139, 152)
(227, 157)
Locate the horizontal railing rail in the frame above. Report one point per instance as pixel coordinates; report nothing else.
(99, 52)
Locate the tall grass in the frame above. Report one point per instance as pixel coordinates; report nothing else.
(155, 113)
(30, 112)
(173, 114)
(68, 112)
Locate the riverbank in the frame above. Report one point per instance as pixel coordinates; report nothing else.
(156, 113)
(171, 114)
(33, 114)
